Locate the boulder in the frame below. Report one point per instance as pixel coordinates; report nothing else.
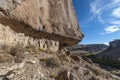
(65, 75)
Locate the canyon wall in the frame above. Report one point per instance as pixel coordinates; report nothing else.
(42, 27)
(113, 51)
(41, 19)
(115, 44)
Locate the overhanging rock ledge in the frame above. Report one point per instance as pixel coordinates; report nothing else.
(41, 19)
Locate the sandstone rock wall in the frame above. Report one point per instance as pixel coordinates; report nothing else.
(10, 38)
(46, 24)
(49, 19)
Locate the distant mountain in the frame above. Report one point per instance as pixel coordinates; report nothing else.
(113, 52)
(115, 44)
(89, 48)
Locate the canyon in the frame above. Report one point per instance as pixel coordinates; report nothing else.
(33, 37)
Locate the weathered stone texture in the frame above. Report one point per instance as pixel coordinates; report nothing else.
(42, 17)
(39, 68)
(10, 38)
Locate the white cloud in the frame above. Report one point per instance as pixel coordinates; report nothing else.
(102, 10)
(99, 8)
(113, 3)
(117, 22)
(112, 29)
(116, 1)
(116, 12)
(100, 18)
(95, 7)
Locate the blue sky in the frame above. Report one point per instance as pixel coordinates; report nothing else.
(99, 20)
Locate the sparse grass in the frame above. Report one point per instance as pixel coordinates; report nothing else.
(42, 49)
(53, 75)
(43, 59)
(111, 63)
(50, 62)
(88, 54)
(33, 49)
(30, 50)
(37, 49)
(57, 77)
(5, 57)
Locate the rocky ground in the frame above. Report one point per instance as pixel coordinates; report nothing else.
(37, 64)
(32, 33)
(113, 70)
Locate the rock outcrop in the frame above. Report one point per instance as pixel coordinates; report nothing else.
(115, 44)
(48, 19)
(31, 35)
(113, 51)
(10, 38)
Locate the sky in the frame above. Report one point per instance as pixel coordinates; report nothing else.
(99, 20)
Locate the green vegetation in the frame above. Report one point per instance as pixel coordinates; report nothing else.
(88, 54)
(53, 75)
(111, 63)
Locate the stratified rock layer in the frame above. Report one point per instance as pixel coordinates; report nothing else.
(10, 38)
(49, 19)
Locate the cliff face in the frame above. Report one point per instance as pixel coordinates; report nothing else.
(49, 19)
(31, 35)
(113, 51)
(115, 44)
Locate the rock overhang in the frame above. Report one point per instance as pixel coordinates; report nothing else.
(49, 19)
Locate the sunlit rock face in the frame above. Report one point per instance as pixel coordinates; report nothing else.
(48, 19)
(42, 27)
(10, 38)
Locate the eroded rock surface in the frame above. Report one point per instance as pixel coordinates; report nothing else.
(30, 31)
(49, 19)
(46, 66)
(10, 38)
